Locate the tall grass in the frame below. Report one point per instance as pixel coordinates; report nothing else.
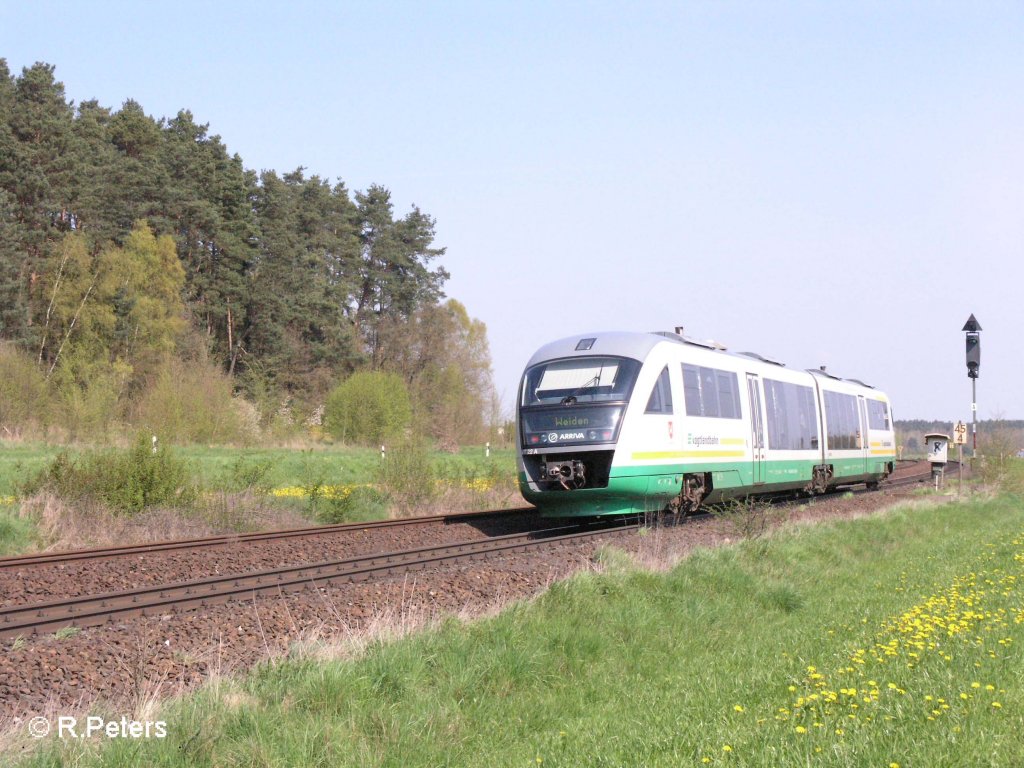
(16, 532)
(713, 663)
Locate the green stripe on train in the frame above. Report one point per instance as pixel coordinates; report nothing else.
(646, 488)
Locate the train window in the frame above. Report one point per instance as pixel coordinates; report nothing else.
(584, 379)
(661, 395)
(728, 396)
(710, 392)
(790, 416)
(691, 391)
(843, 421)
(878, 415)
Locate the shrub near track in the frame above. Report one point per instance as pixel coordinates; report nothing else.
(16, 533)
(889, 640)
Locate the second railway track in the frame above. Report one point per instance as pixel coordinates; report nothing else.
(96, 610)
(103, 553)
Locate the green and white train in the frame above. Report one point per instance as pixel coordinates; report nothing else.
(615, 423)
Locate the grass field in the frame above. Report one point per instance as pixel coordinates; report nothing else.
(285, 467)
(250, 489)
(19, 461)
(894, 640)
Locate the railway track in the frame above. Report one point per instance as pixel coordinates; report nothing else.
(96, 610)
(91, 610)
(104, 553)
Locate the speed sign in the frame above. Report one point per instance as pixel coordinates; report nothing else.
(960, 433)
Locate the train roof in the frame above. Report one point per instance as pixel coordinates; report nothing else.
(627, 344)
(638, 345)
(616, 343)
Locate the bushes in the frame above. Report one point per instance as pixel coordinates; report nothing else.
(22, 392)
(193, 403)
(408, 476)
(359, 504)
(127, 481)
(91, 399)
(367, 408)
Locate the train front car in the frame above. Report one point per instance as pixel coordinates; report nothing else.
(617, 423)
(574, 400)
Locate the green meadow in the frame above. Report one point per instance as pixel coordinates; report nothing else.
(890, 640)
(231, 489)
(217, 467)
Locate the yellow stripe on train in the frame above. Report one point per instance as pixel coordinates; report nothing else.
(653, 455)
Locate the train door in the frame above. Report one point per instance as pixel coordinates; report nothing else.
(865, 439)
(756, 427)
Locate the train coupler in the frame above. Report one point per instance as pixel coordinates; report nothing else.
(569, 474)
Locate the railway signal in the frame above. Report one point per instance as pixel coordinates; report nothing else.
(973, 330)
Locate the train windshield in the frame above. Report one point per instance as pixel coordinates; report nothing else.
(580, 380)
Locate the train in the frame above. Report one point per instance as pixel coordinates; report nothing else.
(621, 422)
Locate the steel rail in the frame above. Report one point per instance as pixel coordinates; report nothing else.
(103, 553)
(96, 610)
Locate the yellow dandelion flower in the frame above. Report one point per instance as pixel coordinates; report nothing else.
(726, 748)
(737, 708)
(801, 729)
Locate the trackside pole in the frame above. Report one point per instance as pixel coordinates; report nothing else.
(960, 471)
(960, 437)
(974, 416)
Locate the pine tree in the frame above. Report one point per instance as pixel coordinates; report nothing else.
(209, 201)
(393, 275)
(35, 176)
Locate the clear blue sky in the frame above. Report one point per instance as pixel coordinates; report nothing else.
(826, 183)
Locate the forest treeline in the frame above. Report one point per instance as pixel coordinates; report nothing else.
(148, 278)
